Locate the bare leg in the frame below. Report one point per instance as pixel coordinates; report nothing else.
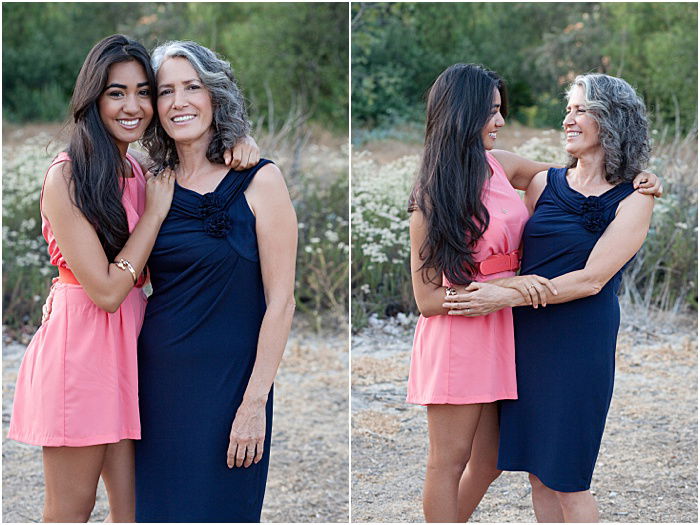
(71, 475)
(579, 507)
(545, 502)
(481, 469)
(118, 475)
(451, 429)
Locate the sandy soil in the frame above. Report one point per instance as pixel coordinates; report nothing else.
(647, 467)
(308, 478)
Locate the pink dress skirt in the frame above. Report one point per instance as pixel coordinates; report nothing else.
(463, 360)
(77, 384)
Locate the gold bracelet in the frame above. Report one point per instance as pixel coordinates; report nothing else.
(123, 264)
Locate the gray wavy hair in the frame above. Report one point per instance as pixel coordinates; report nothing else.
(622, 123)
(230, 120)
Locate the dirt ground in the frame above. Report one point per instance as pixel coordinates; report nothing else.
(647, 467)
(308, 477)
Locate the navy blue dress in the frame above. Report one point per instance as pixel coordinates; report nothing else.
(564, 353)
(196, 353)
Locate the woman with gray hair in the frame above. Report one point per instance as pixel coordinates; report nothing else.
(222, 270)
(587, 224)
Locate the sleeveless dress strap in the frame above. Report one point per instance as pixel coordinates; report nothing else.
(235, 184)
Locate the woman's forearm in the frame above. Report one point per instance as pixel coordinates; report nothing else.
(274, 332)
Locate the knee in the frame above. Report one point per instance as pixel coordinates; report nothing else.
(450, 462)
(568, 500)
(484, 471)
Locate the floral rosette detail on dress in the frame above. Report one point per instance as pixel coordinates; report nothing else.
(592, 214)
(218, 224)
(211, 203)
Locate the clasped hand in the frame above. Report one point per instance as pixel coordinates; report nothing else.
(484, 298)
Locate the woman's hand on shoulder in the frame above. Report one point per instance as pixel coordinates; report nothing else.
(648, 183)
(159, 193)
(243, 155)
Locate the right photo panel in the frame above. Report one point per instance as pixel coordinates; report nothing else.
(524, 262)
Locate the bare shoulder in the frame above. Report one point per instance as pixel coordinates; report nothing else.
(267, 189)
(506, 159)
(636, 202)
(58, 180)
(268, 183)
(537, 184)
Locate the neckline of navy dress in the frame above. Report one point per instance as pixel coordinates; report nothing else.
(574, 200)
(219, 185)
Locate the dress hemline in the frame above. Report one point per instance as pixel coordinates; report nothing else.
(62, 442)
(552, 486)
(451, 400)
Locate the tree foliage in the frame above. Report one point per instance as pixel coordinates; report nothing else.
(398, 49)
(294, 54)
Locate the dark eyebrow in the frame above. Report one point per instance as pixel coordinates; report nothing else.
(184, 82)
(122, 86)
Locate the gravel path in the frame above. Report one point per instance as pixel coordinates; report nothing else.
(308, 478)
(647, 467)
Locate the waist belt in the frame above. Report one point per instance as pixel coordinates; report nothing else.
(500, 262)
(66, 276)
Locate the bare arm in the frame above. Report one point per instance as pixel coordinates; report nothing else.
(106, 285)
(429, 296)
(276, 228)
(520, 170)
(620, 241)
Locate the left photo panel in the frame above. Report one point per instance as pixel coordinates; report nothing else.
(175, 262)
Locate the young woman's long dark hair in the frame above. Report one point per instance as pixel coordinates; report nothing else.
(97, 166)
(454, 170)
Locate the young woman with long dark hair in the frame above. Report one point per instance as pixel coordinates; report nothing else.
(466, 225)
(76, 391)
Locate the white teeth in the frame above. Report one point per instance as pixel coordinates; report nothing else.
(128, 123)
(184, 118)
(492, 135)
(573, 133)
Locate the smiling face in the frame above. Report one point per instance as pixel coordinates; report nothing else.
(582, 131)
(184, 104)
(125, 105)
(495, 122)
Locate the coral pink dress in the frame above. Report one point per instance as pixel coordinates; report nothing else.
(77, 384)
(462, 360)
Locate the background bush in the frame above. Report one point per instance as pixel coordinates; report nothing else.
(398, 49)
(293, 53)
